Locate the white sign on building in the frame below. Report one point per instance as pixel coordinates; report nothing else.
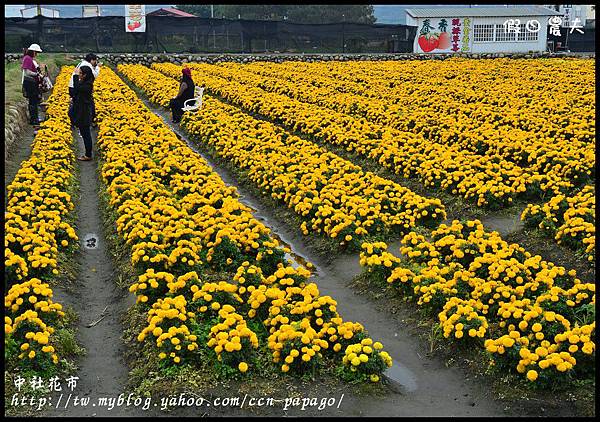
(89, 11)
(135, 18)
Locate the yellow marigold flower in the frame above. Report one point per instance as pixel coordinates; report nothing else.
(508, 342)
(532, 375)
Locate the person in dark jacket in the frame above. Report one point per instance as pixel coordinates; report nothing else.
(82, 107)
(186, 92)
(91, 61)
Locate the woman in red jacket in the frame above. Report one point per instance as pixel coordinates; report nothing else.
(186, 92)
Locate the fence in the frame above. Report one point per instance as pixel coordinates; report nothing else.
(199, 35)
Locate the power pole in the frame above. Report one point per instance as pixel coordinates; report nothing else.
(212, 15)
(343, 33)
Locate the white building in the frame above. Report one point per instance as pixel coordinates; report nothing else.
(572, 12)
(513, 29)
(31, 12)
(90, 10)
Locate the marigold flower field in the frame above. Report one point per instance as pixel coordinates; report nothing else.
(212, 281)
(559, 160)
(37, 226)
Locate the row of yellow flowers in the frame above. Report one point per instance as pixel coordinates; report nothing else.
(488, 180)
(36, 230)
(486, 107)
(183, 223)
(531, 316)
(332, 195)
(571, 220)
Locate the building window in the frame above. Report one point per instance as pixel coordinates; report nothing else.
(502, 35)
(483, 33)
(525, 35)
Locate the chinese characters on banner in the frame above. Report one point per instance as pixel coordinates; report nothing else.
(466, 33)
(135, 18)
(444, 35)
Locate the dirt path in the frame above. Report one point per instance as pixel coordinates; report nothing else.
(98, 302)
(19, 152)
(425, 387)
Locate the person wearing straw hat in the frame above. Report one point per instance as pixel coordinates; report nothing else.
(31, 82)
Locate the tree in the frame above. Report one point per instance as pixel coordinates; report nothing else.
(292, 13)
(200, 10)
(331, 13)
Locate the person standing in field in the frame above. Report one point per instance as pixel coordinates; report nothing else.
(186, 92)
(82, 107)
(91, 61)
(31, 82)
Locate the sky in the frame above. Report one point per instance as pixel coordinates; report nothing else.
(389, 13)
(384, 13)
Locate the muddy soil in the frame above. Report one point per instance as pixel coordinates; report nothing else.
(20, 151)
(537, 243)
(100, 305)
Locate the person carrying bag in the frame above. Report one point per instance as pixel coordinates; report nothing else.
(31, 82)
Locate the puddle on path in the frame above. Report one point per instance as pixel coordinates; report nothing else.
(402, 376)
(503, 224)
(295, 259)
(90, 241)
